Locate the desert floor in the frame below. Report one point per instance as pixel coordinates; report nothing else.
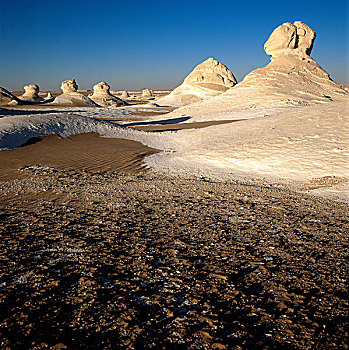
(98, 251)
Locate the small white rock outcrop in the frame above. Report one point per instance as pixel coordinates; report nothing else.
(147, 93)
(31, 93)
(71, 96)
(102, 96)
(125, 94)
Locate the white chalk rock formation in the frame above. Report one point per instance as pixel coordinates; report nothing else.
(292, 78)
(306, 37)
(31, 93)
(290, 36)
(71, 97)
(49, 96)
(283, 37)
(102, 96)
(69, 85)
(13, 103)
(209, 78)
(147, 93)
(7, 97)
(125, 94)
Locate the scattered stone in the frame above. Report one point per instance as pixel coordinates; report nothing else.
(152, 261)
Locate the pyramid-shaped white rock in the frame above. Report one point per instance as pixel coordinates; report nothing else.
(209, 78)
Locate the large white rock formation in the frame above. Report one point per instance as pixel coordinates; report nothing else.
(102, 96)
(290, 36)
(31, 94)
(209, 78)
(71, 96)
(292, 78)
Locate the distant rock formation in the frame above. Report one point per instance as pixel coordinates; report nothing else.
(102, 96)
(69, 85)
(147, 93)
(71, 97)
(209, 78)
(125, 94)
(292, 78)
(31, 93)
(6, 97)
(49, 96)
(210, 75)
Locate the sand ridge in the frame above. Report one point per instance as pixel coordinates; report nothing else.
(84, 152)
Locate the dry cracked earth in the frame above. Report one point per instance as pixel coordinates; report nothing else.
(147, 261)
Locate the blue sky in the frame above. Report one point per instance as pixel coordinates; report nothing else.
(154, 44)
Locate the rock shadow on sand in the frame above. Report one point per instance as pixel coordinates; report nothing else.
(161, 122)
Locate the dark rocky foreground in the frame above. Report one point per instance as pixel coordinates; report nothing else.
(148, 261)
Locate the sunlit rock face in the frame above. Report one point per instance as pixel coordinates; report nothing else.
(210, 75)
(69, 85)
(306, 37)
(125, 94)
(290, 36)
(147, 93)
(31, 93)
(209, 78)
(292, 78)
(102, 96)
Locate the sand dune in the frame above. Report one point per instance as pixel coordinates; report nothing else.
(86, 152)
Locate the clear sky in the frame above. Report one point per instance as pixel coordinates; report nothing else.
(155, 44)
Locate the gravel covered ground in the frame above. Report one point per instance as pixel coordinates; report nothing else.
(140, 261)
